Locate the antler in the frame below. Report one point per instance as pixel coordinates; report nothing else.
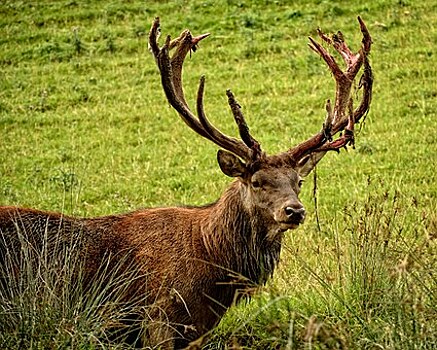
(171, 77)
(343, 117)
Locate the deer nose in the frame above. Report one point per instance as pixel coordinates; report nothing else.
(295, 213)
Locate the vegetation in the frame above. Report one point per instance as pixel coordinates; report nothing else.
(85, 129)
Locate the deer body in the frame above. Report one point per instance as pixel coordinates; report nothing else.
(194, 260)
(193, 263)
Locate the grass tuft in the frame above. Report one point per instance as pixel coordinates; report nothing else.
(46, 302)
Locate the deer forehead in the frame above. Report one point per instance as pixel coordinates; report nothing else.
(282, 175)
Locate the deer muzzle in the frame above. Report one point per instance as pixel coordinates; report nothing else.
(290, 216)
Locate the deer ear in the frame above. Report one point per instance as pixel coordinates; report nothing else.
(230, 164)
(308, 163)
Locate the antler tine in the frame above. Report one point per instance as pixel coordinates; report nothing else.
(339, 119)
(153, 38)
(366, 83)
(243, 129)
(171, 77)
(229, 143)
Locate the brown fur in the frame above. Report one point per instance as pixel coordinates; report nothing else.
(196, 261)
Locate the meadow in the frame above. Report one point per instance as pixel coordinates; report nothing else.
(85, 129)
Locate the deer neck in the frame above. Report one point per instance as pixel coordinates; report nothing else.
(236, 236)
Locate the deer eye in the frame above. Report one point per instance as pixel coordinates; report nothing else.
(300, 183)
(256, 184)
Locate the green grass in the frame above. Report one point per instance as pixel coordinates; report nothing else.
(51, 306)
(367, 283)
(85, 129)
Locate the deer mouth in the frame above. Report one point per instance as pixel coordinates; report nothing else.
(288, 225)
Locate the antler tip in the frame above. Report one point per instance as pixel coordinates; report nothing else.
(196, 39)
(313, 45)
(167, 41)
(367, 39)
(153, 37)
(362, 24)
(155, 24)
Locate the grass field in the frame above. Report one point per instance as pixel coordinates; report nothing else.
(85, 129)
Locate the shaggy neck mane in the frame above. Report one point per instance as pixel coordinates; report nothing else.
(235, 236)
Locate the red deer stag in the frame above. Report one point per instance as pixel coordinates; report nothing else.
(197, 261)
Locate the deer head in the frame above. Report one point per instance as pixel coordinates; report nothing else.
(270, 184)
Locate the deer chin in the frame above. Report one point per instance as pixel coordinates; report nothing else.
(285, 226)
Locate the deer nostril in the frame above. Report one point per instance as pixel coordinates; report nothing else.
(289, 211)
(296, 213)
